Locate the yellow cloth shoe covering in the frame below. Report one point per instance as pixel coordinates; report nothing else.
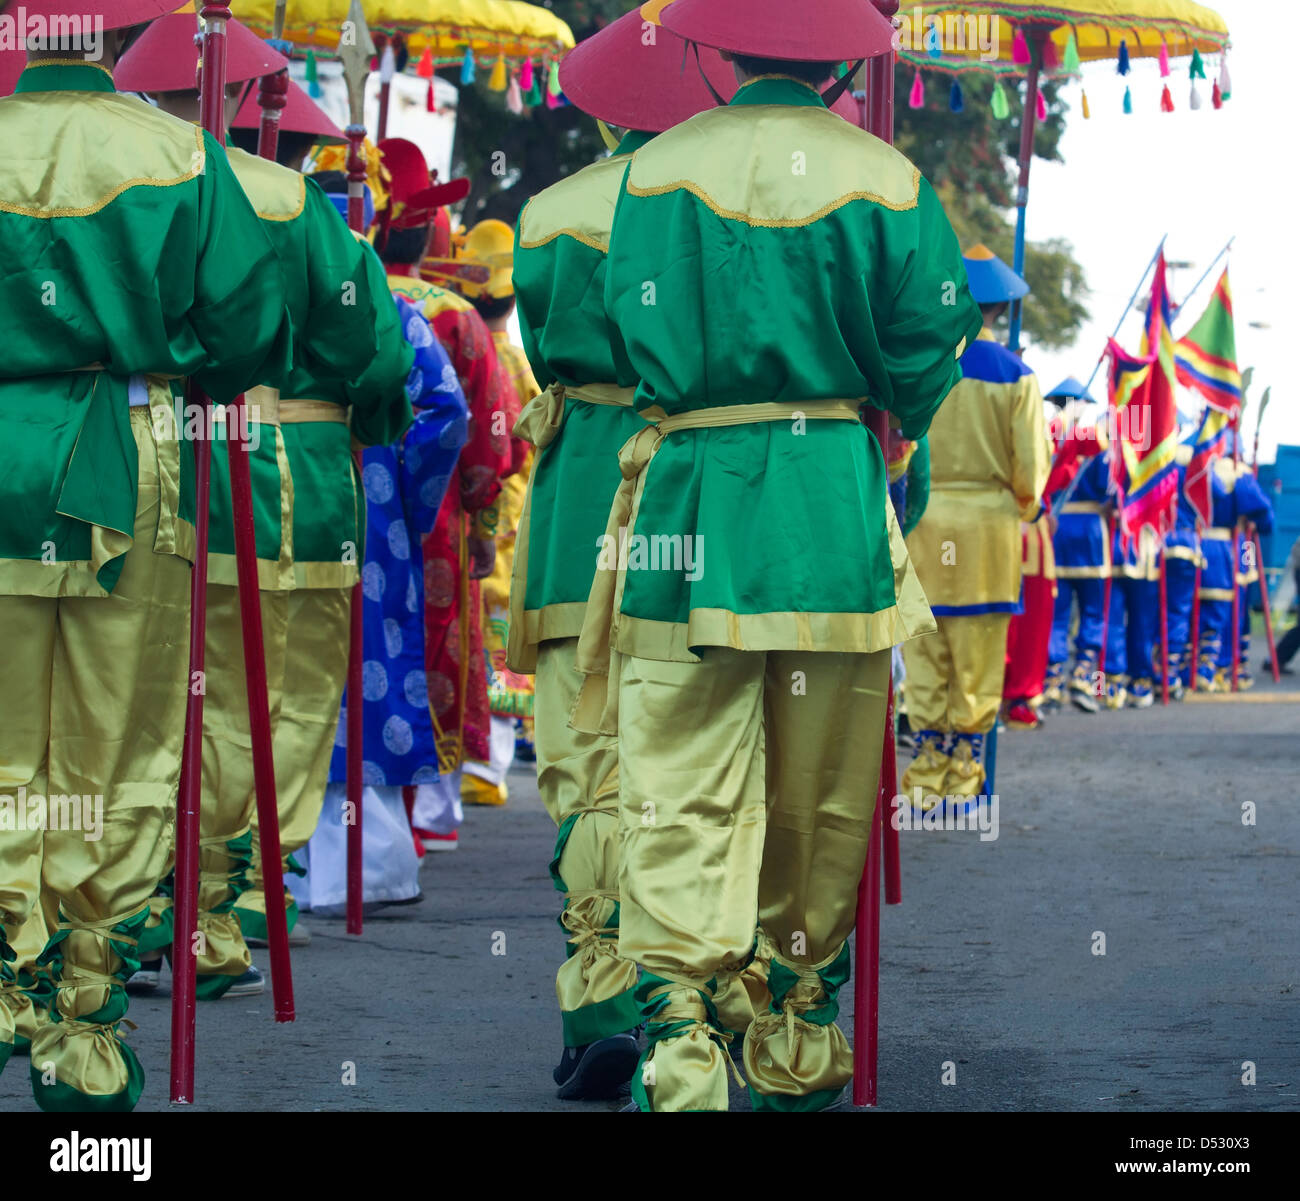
(314, 674)
(796, 1058)
(78, 1062)
(965, 772)
(577, 775)
(742, 800)
(10, 1003)
(25, 989)
(474, 790)
(739, 995)
(928, 770)
(684, 1066)
(251, 908)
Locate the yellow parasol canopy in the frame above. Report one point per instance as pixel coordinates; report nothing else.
(980, 35)
(446, 27)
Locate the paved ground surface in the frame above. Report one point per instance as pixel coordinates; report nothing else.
(1130, 825)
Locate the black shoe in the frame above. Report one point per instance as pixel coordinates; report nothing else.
(600, 1071)
(1283, 669)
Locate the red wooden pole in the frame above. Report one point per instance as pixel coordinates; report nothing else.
(185, 903)
(1194, 668)
(889, 788)
(1236, 606)
(878, 115)
(1268, 607)
(1164, 628)
(272, 96)
(355, 730)
(250, 610)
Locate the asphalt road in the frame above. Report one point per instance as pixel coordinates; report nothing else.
(1129, 825)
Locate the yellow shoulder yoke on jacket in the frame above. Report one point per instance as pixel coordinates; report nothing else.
(579, 207)
(774, 166)
(276, 193)
(71, 154)
(430, 298)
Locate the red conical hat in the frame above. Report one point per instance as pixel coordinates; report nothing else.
(636, 75)
(799, 31)
(103, 14)
(12, 65)
(300, 115)
(166, 56)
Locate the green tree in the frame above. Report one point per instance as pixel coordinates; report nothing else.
(970, 157)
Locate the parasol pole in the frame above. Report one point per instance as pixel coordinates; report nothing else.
(1037, 35)
(273, 92)
(356, 67)
(1194, 666)
(878, 118)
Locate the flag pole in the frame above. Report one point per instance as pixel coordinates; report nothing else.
(1194, 667)
(356, 67)
(1196, 287)
(273, 92)
(878, 118)
(1164, 625)
(1236, 558)
(1267, 604)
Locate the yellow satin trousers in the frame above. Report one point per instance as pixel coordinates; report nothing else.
(954, 676)
(92, 705)
(748, 782)
(577, 775)
(314, 674)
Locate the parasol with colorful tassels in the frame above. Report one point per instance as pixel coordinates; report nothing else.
(520, 45)
(1009, 39)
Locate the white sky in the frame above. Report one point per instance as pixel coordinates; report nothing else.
(1200, 177)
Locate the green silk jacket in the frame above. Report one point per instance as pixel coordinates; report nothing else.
(118, 274)
(768, 252)
(559, 276)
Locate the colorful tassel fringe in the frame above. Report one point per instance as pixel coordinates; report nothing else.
(998, 101)
(526, 75)
(387, 65)
(917, 97)
(1194, 101)
(429, 105)
(1051, 60)
(1020, 49)
(933, 42)
(514, 97)
(1164, 61)
(1166, 100)
(467, 68)
(1041, 110)
(1225, 80)
(956, 101)
(553, 80)
(1072, 63)
(1128, 101)
(497, 80)
(1123, 57)
(1197, 70)
(1087, 110)
(313, 78)
(1216, 96)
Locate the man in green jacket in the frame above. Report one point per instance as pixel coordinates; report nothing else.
(305, 510)
(771, 270)
(130, 258)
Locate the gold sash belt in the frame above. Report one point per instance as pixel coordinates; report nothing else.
(597, 707)
(542, 417)
(1084, 506)
(266, 407)
(1217, 533)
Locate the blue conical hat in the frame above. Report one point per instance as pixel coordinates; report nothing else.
(1069, 389)
(991, 280)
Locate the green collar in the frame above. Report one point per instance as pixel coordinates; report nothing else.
(632, 141)
(778, 89)
(65, 75)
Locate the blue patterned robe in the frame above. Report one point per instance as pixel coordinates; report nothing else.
(404, 486)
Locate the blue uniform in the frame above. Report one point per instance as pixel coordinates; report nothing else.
(1133, 659)
(1083, 562)
(1232, 501)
